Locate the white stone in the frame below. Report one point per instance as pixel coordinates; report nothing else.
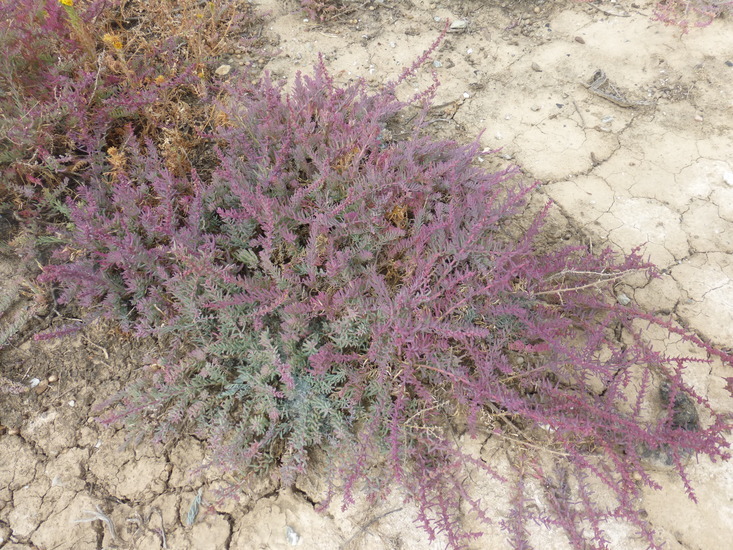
(458, 25)
(728, 177)
(292, 535)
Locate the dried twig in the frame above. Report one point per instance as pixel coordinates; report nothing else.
(622, 13)
(193, 511)
(98, 514)
(143, 523)
(365, 527)
(602, 278)
(103, 350)
(161, 531)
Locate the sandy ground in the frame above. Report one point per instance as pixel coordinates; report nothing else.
(652, 167)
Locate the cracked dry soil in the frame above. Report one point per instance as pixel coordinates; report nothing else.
(657, 173)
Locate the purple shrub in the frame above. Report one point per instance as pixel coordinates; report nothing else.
(80, 74)
(687, 13)
(315, 283)
(326, 286)
(323, 10)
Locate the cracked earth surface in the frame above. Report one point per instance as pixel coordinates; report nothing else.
(657, 174)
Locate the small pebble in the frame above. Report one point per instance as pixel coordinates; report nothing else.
(42, 387)
(579, 40)
(72, 403)
(437, 64)
(53, 378)
(729, 63)
(535, 108)
(698, 117)
(292, 535)
(13, 431)
(728, 177)
(536, 67)
(458, 26)
(34, 382)
(223, 70)
(623, 299)
(537, 9)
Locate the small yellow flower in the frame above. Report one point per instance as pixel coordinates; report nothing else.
(69, 3)
(112, 40)
(159, 79)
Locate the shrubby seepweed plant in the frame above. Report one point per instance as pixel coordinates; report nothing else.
(322, 10)
(688, 13)
(691, 13)
(315, 283)
(329, 287)
(76, 75)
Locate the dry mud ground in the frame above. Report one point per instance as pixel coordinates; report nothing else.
(655, 167)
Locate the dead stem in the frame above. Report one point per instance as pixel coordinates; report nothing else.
(98, 514)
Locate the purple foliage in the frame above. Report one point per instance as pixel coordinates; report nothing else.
(322, 10)
(326, 286)
(315, 283)
(83, 79)
(687, 13)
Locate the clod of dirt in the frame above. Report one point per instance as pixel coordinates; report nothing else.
(685, 414)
